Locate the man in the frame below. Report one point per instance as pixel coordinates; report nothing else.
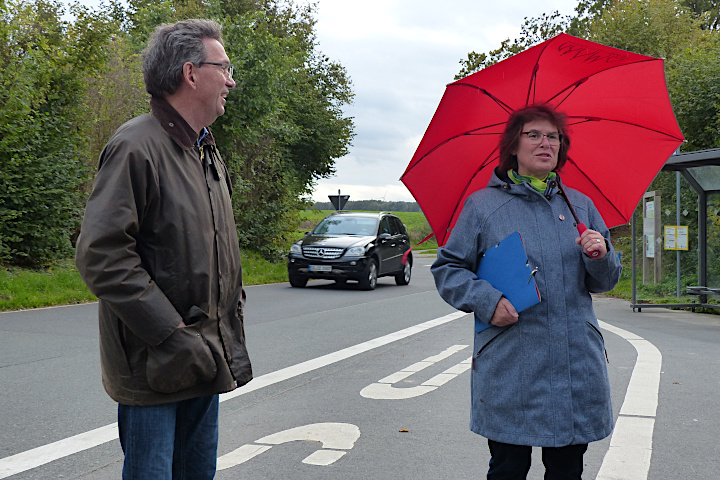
(158, 247)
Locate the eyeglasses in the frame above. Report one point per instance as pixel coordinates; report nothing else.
(228, 68)
(536, 138)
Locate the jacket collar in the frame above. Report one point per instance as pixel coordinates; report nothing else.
(175, 125)
(501, 180)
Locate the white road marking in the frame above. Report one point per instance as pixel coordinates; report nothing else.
(335, 439)
(325, 360)
(42, 455)
(384, 389)
(628, 457)
(36, 457)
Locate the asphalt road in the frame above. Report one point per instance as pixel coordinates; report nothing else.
(352, 385)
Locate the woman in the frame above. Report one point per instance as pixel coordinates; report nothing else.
(539, 376)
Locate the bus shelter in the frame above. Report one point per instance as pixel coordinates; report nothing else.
(701, 169)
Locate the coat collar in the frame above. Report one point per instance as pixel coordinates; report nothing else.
(501, 180)
(175, 125)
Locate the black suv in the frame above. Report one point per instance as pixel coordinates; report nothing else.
(352, 246)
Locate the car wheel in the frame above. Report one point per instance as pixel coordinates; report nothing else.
(369, 279)
(403, 278)
(298, 281)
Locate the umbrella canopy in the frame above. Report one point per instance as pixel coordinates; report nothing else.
(620, 121)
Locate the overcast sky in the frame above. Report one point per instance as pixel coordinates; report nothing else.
(400, 54)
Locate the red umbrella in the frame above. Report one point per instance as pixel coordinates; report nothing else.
(621, 125)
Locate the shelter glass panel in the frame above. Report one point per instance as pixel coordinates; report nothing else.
(708, 177)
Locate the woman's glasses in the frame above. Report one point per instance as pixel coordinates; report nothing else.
(536, 138)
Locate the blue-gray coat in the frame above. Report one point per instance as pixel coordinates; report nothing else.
(543, 380)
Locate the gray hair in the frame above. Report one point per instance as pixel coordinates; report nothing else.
(170, 47)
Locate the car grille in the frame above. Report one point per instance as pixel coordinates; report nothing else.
(326, 253)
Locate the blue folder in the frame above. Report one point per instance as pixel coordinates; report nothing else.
(505, 266)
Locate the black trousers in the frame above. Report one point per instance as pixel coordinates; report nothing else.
(512, 462)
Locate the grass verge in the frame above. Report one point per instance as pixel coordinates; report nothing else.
(60, 283)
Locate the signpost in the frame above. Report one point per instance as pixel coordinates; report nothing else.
(338, 201)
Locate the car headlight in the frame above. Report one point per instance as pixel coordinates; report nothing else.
(295, 248)
(355, 251)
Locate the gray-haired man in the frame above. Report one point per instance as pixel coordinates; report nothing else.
(158, 246)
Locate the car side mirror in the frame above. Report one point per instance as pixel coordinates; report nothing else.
(306, 234)
(383, 236)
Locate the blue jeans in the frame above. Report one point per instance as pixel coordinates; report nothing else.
(175, 441)
(512, 462)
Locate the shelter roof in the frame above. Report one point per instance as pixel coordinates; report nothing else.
(702, 165)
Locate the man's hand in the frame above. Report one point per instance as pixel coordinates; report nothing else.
(505, 314)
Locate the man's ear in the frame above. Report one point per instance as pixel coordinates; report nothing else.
(190, 74)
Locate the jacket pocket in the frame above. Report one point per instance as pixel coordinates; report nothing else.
(182, 361)
(601, 338)
(486, 337)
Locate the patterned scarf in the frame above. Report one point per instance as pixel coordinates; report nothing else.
(536, 183)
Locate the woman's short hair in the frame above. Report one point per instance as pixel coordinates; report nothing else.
(170, 47)
(513, 129)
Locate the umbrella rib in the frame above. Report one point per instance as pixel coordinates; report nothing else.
(502, 104)
(467, 132)
(601, 119)
(483, 165)
(596, 186)
(569, 91)
(577, 84)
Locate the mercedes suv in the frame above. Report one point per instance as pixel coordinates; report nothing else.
(355, 246)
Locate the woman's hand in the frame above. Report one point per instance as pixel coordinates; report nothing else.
(505, 314)
(593, 244)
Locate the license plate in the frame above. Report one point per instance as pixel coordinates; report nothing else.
(320, 268)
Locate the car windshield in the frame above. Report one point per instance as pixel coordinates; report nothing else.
(347, 226)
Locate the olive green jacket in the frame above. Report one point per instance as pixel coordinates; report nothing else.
(158, 245)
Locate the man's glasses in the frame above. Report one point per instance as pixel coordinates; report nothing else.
(536, 138)
(228, 68)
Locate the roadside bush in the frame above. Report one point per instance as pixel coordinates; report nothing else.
(45, 61)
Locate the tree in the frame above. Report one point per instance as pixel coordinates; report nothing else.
(41, 152)
(533, 31)
(707, 11)
(283, 127)
(67, 86)
(588, 16)
(585, 12)
(694, 83)
(658, 28)
(113, 95)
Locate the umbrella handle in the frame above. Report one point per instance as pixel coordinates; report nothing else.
(581, 228)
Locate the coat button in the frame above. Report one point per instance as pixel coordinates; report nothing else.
(562, 217)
